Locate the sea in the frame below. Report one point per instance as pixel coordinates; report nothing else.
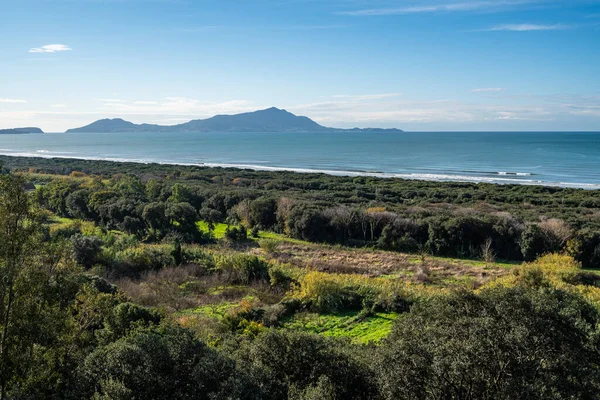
(565, 159)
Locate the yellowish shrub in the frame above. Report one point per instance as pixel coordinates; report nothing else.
(333, 292)
(557, 270)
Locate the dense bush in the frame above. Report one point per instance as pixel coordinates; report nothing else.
(135, 261)
(163, 363)
(448, 219)
(503, 343)
(327, 292)
(86, 249)
(242, 268)
(291, 362)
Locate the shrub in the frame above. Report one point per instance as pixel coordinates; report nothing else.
(163, 363)
(85, 249)
(134, 261)
(126, 317)
(242, 268)
(280, 276)
(297, 362)
(327, 292)
(554, 270)
(65, 231)
(196, 255)
(236, 234)
(269, 245)
(501, 344)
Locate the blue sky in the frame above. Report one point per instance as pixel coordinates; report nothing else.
(414, 65)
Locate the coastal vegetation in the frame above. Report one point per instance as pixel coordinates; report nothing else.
(123, 280)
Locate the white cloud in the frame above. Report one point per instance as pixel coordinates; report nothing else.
(176, 106)
(484, 90)
(111, 100)
(59, 106)
(527, 27)
(50, 48)
(432, 8)
(366, 96)
(557, 111)
(12, 101)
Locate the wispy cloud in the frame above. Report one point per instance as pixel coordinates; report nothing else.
(366, 96)
(59, 106)
(558, 111)
(484, 90)
(433, 8)
(12, 101)
(50, 48)
(175, 107)
(527, 27)
(111, 100)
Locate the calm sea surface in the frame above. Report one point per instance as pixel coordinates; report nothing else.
(561, 159)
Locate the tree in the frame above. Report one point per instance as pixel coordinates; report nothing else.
(180, 194)
(167, 362)
(17, 238)
(533, 243)
(502, 344)
(77, 204)
(36, 282)
(154, 190)
(263, 212)
(182, 216)
(154, 215)
(487, 252)
(85, 249)
(303, 365)
(376, 215)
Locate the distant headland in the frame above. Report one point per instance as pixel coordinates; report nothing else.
(270, 120)
(17, 131)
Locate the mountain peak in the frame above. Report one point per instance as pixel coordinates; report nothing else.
(272, 119)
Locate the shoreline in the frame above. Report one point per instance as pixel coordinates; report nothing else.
(498, 178)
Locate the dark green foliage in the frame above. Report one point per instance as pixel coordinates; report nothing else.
(86, 249)
(177, 253)
(126, 317)
(533, 243)
(449, 219)
(77, 204)
(308, 224)
(503, 343)
(236, 233)
(155, 216)
(98, 283)
(164, 363)
(263, 212)
(68, 335)
(588, 242)
(297, 363)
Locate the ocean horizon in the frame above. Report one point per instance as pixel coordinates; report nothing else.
(564, 159)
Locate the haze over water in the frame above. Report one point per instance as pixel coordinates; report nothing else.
(546, 158)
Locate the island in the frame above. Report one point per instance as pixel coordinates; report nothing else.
(270, 120)
(20, 131)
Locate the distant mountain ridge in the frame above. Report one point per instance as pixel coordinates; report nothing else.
(269, 120)
(20, 131)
